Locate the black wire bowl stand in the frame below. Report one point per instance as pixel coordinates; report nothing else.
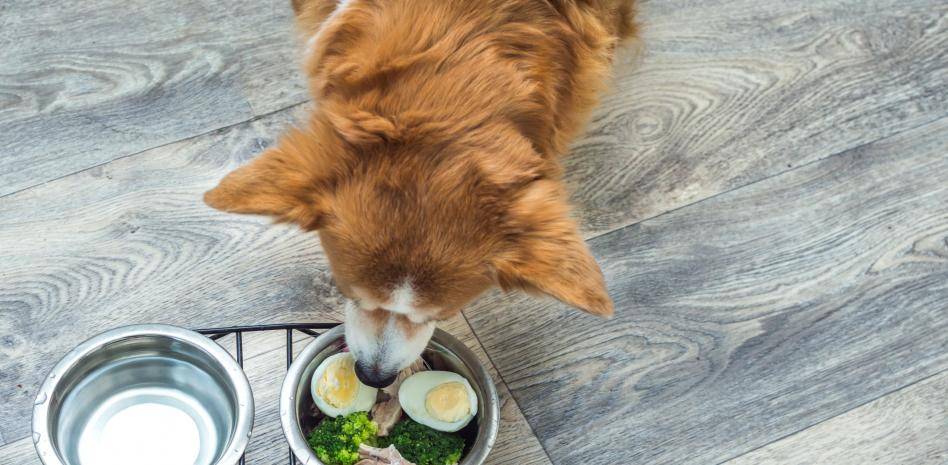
(310, 329)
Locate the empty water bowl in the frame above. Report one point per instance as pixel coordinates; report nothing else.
(144, 395)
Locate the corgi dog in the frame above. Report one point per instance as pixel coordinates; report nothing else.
(429, 165)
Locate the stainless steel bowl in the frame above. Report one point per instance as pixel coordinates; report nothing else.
(144, 394)
(299, 415)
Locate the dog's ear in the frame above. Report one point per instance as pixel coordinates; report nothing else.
(288, 182)
(547, 255)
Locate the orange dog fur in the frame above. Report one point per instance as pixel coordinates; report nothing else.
(430, 163)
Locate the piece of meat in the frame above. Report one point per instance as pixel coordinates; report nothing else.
(374, 456)
(388, 412)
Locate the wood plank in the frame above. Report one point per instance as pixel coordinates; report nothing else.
(20, 452)
(516, 442)
(265, 372)
(88, 82)
(730, 92)
(257, 344)
(131, 243)
(743, 318)
(263, 357)
(907, 426)
(265, 365)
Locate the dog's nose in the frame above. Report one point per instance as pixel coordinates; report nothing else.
(371, 376)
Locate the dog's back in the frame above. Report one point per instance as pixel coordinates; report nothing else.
(540, 63)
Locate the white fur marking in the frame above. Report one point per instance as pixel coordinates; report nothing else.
(402, 299)
(392, 350)
(361, 340)
(401, 352)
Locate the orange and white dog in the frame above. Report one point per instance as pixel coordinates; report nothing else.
(429, 165)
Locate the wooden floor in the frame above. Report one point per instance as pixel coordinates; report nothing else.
(766, 188)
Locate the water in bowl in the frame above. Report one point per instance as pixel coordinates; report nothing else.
(148, 426)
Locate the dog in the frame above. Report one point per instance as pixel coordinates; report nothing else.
(429, 166)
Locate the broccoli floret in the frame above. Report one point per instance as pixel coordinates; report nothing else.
(336, 440)
(423, 445)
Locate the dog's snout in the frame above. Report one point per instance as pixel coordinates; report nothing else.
(373, 376)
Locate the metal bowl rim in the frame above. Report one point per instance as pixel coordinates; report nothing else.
(288, 415)
(245, 407)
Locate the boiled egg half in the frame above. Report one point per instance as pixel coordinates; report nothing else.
(336, 389)
(441, 400)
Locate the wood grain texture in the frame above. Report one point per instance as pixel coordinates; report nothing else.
(516, 442)
(264, 359)
(727, 307)
(131, 243)
(20, 452)
(729, 92)
(907, 426)
(745, 317)
(265, 366)
(88, 82)
(265, 372)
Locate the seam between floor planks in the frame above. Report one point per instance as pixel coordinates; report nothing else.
(592, 237)
(881, 396)
(178, 141)
(513, 398)
(756, 181)
(696, 201)
(587, 238)
(518, 401)
(273, 343)
(530, 420)
(631, 224)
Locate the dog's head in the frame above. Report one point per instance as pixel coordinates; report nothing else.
(414, 231)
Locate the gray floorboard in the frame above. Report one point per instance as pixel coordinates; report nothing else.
(906, 426)
(87, 82)
(764, 184)
(730, 92)
(130, 242)
(745, 317)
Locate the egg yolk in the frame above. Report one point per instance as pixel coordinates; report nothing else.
(338, 385)
(448, 402)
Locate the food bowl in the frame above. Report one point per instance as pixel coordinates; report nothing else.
(299, 414)
(144, 394)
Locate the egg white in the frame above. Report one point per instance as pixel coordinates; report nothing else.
(364, 398)
(414, 391)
